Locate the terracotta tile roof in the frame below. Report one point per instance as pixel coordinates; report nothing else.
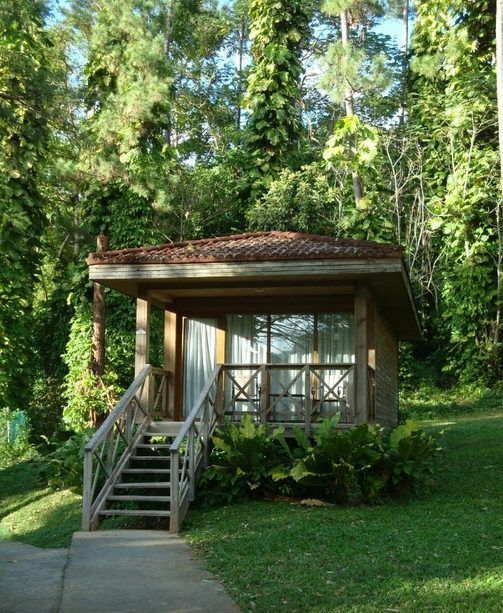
(259, 246)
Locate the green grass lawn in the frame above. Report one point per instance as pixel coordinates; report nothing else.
(34, 514)
(443, 552)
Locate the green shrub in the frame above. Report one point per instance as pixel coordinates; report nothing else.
(245, 459)
(14, 449)
(353, 466)
(347, 467)
(412, 455)
(63, 467)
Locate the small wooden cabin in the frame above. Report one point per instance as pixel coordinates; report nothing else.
(301, 326)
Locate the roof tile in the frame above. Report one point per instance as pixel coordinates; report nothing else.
(258, 246)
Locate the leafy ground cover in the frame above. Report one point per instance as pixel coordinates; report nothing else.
(443, 552)
(429, 402)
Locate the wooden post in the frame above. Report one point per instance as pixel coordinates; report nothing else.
(264, 394)
(371, 361)
(142, 351)
(361, 355)
(169, 362)
(192, 461)
(98, 346)
(98, 357)
(220, 359)
(308, 403)
(371, 333)
(174, 508)
(87, 493)
(220, 341)
(179, 360)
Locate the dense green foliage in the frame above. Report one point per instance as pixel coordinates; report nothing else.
(453, 101)
(353, 466)
(62, 466)
(245, 458)
(152, 121)
(26, 94)
(275, 130)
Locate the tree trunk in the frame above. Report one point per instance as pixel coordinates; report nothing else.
(242, 33)
(349, 102)
(499, 204)
(405, 61)
(98, 357)
(167, 50)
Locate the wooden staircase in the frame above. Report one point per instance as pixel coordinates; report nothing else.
(143, 486)
(135, 465)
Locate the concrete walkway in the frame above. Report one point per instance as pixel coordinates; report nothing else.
(112, 571)
(31, 579)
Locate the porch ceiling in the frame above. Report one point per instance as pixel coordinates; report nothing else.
(269, 286)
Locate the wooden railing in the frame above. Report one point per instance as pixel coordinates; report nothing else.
(289, 393)
(371, 409)
(109, 449)
(274, 393)
(189, 451)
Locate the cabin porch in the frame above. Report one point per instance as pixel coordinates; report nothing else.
(286, 328)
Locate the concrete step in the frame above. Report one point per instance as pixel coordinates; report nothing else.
(164, 428)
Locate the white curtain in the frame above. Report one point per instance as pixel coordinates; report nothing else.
(336, 344)
(200, 349)
(336, 338)
(246, 339)
(291, 343)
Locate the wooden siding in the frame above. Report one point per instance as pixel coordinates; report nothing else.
(298, 269)
(386, 348)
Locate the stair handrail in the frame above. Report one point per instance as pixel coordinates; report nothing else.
(197, 428)
(127, 420)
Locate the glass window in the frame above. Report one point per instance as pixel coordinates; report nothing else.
(292, 339)
(336, 338)
(246, 339)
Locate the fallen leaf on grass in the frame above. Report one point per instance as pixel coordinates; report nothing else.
(314, 502)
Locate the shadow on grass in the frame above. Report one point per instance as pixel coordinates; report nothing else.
(8, 510)
(51, 526)
(19, 479)
(32, 513)
(19, 486)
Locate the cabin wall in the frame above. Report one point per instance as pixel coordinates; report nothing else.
(386, 360)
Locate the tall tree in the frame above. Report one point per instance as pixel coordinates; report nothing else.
(452, 106)
(277, 31)
(27, 86)
(350, 70)
(499, 205)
